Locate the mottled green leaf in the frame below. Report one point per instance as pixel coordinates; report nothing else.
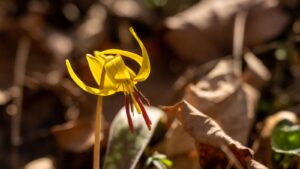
(124, 148)
(286, 139)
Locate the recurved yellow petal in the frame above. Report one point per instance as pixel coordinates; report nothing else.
(92, 90)
(127, 54)
(145, 66)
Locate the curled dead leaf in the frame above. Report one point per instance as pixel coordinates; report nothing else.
(222, 96)
(210, 137)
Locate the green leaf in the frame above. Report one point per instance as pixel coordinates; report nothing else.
(159, 165)
(159, 156)
(167, 162)
(124, 148)
(148, 162)
(286, 139)
(159, 160)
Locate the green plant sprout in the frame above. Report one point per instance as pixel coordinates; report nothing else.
(160, 161)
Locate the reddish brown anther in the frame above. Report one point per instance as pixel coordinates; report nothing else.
(144, 113)
(141, 95)
(128, 114)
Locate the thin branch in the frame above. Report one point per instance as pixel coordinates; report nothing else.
(238, 40)
(17, 93)
(18, 83)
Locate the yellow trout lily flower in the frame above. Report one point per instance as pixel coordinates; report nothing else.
(113, 75)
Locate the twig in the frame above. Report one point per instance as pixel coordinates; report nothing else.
(238, 40)
(17, 92)
(19, 77)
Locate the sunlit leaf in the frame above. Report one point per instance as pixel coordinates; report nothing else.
(148, 162)
(167, 162)
(159, 165)
(286, 138)
(158, 160)
(125, 148)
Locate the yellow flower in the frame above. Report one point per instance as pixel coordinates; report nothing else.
(112, 75)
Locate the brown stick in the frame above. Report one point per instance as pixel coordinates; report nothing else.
(17, 93)
(238, 40)
(19, 78)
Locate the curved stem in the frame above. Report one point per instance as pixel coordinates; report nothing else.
(97, 145)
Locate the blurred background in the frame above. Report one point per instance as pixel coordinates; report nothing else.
(44, 116)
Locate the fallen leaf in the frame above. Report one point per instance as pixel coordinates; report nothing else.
(209, 136)
(125, 148)
(41, 163)
(207, 27)
(225, 98)
(92, 31)
(185, 153)
(75, 136)
(132, 9)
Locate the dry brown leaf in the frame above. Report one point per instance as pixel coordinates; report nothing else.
(75, 136)
(131, 9)
(92, 31)
(207, 27)
(211, 138)
(223, 97)
(41, 163)
(185, 153)
(264, 151)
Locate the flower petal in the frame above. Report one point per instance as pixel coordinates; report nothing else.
(117, 70)
(84, 87)
(130, 55)
(96, 66)
(145, 67)
(131, 72)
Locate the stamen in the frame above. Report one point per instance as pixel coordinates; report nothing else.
(144, 113)
(127, 93)
(128, 114)
(131, 106)
(143, 96)
(136, 105)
